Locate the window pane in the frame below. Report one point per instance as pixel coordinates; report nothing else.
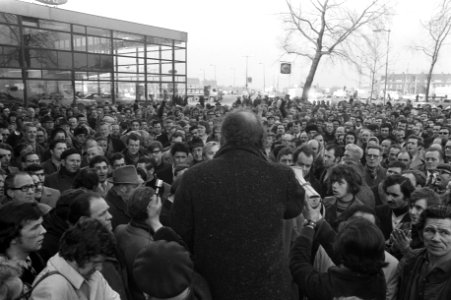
(29, 21)
(99, 45)
(79, 29)
(79, 42)
(40, 38)
(180, 69)
(64, 60)
(92, 92)
(126, 48)
(9, 34)
(99, 32)
(126, 91)
(7, 73)
(80, 60)
(35, 74)
(42, 59)
(166, 53)
(49, 74)
(11, 91)
(158, 41)
(159, 52)
(54, 25)
(8, 18)
(56, 74)
(159, 78)
(99, 76)
(81, 75)
(129, 64)
(180, 54)
(9, 57)
(180, 44)
(155, 91)
(166, 68)
(128, 36)
(179, 78)
(153, 51)
(100, 62)
(129, 77)
(50, 92)
(153, 66)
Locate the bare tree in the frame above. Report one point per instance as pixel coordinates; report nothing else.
(438, 28)
(367, 55)
(323, 30)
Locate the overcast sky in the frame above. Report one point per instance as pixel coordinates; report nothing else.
(221, 33)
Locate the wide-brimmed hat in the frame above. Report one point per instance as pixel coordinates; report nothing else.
(125, 175)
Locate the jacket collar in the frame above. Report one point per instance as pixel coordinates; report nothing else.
(63, 172)
(71, 275)
(140, 226)
(252, 150)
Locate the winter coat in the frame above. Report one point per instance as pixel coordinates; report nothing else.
(230, 212)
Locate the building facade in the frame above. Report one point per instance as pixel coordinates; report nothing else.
(416, 83)
(51, 55)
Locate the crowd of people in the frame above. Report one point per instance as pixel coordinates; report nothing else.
(163, 201)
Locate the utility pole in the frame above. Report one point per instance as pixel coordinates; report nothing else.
(386, 60)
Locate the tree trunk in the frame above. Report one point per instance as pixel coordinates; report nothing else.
(310, 76)
(428, 82)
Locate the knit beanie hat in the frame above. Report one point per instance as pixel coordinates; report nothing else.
(163, 269)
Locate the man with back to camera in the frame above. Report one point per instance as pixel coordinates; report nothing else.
(224, 232)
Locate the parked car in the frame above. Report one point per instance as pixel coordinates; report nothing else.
(7, 99)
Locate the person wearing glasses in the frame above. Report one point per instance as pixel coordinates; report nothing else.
(20, 187)
(43, 194)
(374, 172)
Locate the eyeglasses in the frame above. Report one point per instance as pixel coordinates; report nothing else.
(444, 133)
(25, 188)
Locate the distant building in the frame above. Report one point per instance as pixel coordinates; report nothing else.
(416, 83)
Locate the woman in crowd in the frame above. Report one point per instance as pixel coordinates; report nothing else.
(345, 183)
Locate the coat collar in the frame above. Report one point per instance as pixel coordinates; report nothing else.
(252, 150)
(71, 275)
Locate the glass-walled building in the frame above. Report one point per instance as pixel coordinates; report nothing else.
(51, 55)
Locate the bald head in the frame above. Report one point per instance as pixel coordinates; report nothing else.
(242, 128)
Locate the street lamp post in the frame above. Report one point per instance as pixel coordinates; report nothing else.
(386, 60)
